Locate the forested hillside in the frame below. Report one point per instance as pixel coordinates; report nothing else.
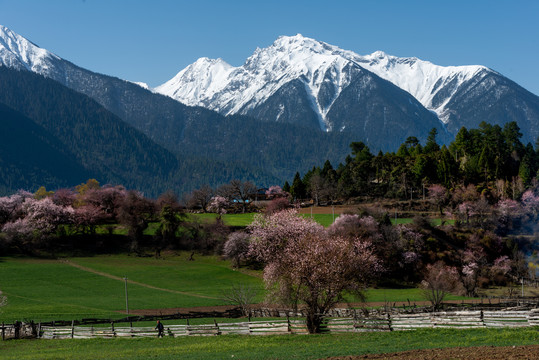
(102, 143)
(30, 155)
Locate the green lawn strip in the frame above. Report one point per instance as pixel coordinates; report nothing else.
(41, 290)
(50, 290)
(228, 219)
(399, 295)
(265, 347)
(206, 276)
(323, 219)
(243, 220)
(328, 219)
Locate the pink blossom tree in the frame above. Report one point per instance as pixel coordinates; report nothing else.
(11, 205)
(439, 280)
(509, 212)
(345, 224)
(277, 204)
(530, 202)
(500, 269)
(45, 216)
(87, 217)
(107, 198)
(135, 212)
(304, 263)
(275, 191)
(237, 247)
(18, 234)
(64, 197)
(438, 196)
(218, 205)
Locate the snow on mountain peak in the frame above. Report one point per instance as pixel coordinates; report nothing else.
(229, 90)
(198, 81)
(19, 53)
(421, 78)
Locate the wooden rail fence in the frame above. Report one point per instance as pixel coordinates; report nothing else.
(276, 327)
(387, 322)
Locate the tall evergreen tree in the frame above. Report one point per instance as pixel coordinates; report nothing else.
(298, 189)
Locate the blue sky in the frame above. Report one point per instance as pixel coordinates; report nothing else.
(151, 41)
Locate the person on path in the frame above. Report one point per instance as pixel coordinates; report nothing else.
(160, 329)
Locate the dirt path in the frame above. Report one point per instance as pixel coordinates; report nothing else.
(110, 276)
(472, 353)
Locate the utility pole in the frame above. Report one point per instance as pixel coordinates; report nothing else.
(126, 297)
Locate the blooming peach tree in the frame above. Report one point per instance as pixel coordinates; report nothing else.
(306, 264)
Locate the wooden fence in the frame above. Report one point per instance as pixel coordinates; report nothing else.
(276, 327)
(445, 319)
(387, 322)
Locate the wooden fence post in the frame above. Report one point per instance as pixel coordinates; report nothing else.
(3, 331)
(217, 326)
(112, 327)
(389, 322)
(481, 317)
(17, 329)
(72, 329)
(288, 322)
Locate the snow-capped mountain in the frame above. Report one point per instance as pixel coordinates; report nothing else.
(19, 53)
(157, 116)
(219, 86)
(308, 83)
(378, 98)
(431, 84)
(325, 71)
(230, 90)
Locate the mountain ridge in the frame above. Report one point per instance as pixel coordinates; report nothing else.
(325, 71)
(287, 119)
(291, 57)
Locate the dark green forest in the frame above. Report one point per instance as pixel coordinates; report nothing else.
(491, 157)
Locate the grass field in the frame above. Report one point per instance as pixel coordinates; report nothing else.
(43, 290)
(228, 219)
(52, 289)
(321, 218)
(264, 347)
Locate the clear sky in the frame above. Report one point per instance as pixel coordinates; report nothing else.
(152, 40)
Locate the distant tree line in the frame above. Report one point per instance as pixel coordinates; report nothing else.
(93, 218)
(491, 157)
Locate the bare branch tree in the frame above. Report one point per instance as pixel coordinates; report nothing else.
(238, 191)
(439, 281)
(200, 198)
(242, 296)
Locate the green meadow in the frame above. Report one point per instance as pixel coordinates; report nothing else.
(43, 290)
(89, 287)
(264, 347)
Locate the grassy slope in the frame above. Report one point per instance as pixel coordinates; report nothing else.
(50, 289)
(266, 347)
